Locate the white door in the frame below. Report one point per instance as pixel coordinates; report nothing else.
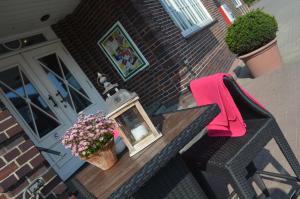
(64, 79)
(45, 89)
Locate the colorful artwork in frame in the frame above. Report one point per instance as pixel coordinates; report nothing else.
(122, 52)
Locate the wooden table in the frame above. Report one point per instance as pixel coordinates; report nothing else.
(130, 173)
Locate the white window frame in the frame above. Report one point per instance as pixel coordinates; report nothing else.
(237, 3)
(171, 6)
(48, 33)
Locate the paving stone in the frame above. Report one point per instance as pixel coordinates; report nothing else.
(279, 92)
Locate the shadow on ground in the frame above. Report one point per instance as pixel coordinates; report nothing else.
(242, 72)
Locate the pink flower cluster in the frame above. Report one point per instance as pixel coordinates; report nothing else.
(86, 132)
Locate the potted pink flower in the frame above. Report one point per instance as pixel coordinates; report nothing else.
(92, 139)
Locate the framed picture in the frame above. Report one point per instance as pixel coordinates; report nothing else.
(122, 52)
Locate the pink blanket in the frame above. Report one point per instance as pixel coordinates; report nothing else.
(211, 89)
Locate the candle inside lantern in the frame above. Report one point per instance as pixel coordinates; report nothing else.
(139, 132)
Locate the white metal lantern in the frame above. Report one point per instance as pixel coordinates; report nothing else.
(135, 126)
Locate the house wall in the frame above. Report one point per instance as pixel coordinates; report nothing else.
(21, 163)
(174, 60)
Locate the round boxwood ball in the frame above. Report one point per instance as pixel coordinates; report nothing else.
(250, 32)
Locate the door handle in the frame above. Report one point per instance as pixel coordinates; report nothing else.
(48, 151)
(62, 100)
(60, 95)
(50, 98)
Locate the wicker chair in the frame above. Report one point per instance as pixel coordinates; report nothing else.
(233, 158)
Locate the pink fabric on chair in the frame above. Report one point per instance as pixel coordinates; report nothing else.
(211, 89)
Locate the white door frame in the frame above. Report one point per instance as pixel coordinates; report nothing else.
(76, 70)
(13, 61)
(47, 32)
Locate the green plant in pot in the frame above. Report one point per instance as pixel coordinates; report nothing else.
(253, 38)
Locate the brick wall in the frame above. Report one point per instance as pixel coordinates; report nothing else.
(21, 163)
(174, 60)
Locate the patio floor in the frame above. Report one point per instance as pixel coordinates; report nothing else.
(279, 91)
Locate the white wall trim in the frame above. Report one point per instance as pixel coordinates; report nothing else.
(47, 32)
(29, 48)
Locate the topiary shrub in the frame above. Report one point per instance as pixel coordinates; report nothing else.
(249, 2)
(250, 32)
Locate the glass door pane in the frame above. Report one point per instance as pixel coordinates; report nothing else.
(64, 82)
(27, 101)
(30, 97)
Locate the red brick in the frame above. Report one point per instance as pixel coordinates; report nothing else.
(38, 172)
(3, 137)
(7, 183)
(159, 45)
(51, 196)
(20, 196)
(7, 170)
(27, 156)
(50, 174)
(64, 195)
(17, 188)
(7, 123)
(4, 114)
(2, 163)
(11, 155)
(51, 185)
(37, 161)
(12, 143)
(14, 131)
(23, 171)
(59, 189)
(2, 196)
(26, 145)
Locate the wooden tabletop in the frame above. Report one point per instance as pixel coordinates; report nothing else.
(102, 184)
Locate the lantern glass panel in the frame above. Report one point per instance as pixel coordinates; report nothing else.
(133, 125)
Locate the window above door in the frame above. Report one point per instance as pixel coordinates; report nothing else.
(189, 15)
(20, 43)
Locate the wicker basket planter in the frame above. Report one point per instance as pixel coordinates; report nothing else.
(263, 60)
(103, 159)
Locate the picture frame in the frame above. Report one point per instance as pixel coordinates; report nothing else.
(122, 52)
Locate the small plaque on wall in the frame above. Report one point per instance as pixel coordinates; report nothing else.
(122, 52)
